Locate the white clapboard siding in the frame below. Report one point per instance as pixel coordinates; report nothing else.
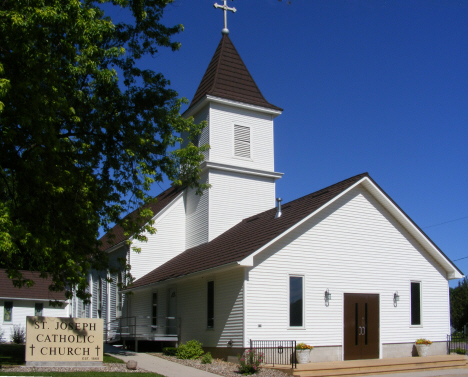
(24, 308)
(353, 246)
(235, 196)
(228, 309)
(196, 216)
(222, 120)
(165, 244)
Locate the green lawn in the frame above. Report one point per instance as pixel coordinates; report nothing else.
(13, 354)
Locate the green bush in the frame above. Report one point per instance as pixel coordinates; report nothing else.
(18, 336)
(170, 351)
(460, 351)
(190, 350)
(207, 358)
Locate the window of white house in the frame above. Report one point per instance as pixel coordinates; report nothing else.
(99, 298)
(154, 311)
(242, 141)
(296, 294)
(210, 305)
(38, 308)
(7, 311)
(118, 299)
(415, 303)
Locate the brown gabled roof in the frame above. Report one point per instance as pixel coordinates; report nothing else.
(162, 200)
(246, 237)
(228, 77)
(39, 291)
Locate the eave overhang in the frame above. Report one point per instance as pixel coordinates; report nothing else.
(452, 271)
(206, 100)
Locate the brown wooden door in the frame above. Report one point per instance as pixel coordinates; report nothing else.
(361, 326)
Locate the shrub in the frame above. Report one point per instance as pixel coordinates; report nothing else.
(250, 362)
(207, 358)
(423, 341)
(169, 351)
(190, 350)
(18, 336)
(2, 332)
(460, 351)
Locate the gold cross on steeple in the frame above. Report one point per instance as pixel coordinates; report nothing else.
(225, 8)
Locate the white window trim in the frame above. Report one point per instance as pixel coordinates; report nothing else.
(157, 309)
(289, 327)
(234, 142)
(420, 304)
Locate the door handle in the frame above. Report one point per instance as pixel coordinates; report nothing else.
(363, 330)
(360, 330)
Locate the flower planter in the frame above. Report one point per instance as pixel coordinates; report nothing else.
(302, 356)
(422, 349)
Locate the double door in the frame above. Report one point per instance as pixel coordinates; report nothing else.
(361, 326)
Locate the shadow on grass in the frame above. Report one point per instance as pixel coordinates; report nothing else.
(12, 354)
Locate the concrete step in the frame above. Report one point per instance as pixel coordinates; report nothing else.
(376, 366)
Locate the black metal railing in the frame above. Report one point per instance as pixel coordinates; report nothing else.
(280, 352)
(457, 344)
(149, 328)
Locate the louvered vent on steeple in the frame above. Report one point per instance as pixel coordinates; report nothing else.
(241, 141)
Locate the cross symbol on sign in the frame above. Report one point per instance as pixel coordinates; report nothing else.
(225, 8)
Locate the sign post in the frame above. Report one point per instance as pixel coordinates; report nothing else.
(52, 341)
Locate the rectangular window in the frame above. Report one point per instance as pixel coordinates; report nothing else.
(99, 298)
(118, 298)
(154, 312)
(415, 303)
(38, 309)
(210, 305)
(7, 311)
(296, 295)
(241, 141)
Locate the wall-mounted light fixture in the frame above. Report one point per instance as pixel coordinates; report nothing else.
(230, 343)
(327, 297)
(396, 298)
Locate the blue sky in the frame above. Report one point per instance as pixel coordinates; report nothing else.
(376, 86)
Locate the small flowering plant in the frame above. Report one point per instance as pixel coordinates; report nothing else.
(303, 346)
(423, 341)
(250, 362)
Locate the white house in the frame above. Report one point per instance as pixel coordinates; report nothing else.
(343, 269)
(16, 304)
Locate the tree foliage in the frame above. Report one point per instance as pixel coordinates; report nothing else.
(85, 132)
(459, 305)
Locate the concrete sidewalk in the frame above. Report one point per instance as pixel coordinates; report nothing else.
(156, 364)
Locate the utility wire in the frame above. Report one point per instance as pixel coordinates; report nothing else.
(446, 222)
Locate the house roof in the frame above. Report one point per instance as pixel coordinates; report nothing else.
(228, 77)
(246, 237)
(116, 235)
(39, 291)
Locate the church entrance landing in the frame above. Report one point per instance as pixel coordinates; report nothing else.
(361, 326)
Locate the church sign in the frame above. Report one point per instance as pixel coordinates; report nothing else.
(64, 340)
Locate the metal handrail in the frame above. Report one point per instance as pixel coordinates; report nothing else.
(142, 326)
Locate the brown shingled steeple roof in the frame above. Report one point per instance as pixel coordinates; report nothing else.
(228, 77)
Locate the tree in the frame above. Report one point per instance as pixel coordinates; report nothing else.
(78, 147)
(459, 305)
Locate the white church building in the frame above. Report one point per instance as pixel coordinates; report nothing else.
(343, 269)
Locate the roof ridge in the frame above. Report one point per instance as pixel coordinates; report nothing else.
(245, 237)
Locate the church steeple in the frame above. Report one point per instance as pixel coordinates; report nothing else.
(227, 77)
(239, 165)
